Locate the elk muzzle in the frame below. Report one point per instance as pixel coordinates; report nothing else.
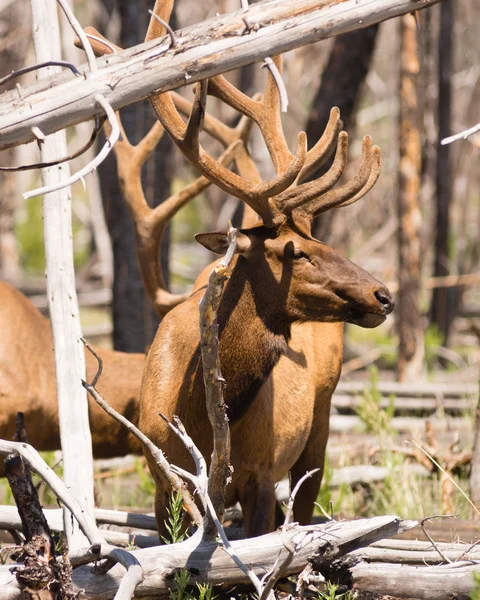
(379, 306)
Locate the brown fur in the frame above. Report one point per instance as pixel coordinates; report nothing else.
(280, 424)
(27, 382)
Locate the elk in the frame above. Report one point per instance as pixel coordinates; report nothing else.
(281, 316)
(27, 382)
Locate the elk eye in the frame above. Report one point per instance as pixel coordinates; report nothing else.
(298, 253)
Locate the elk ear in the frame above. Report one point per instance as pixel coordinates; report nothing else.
(218, 242)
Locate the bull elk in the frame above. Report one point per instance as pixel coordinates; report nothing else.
(282, 313)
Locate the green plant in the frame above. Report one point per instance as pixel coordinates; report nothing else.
(376, 419)
(475, 593)
(174, 524)
(332, 592)
(182, 579)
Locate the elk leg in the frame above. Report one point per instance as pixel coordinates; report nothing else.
(312, 457)
(256, 493)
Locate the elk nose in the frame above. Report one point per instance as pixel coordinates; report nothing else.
(385, 299)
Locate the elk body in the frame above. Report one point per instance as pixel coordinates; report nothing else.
(281, 316)
(27, 382)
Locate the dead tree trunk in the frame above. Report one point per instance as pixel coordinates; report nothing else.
(442, 306)
(134, 319)
(62, 298)
(409, 319)
(341, 86)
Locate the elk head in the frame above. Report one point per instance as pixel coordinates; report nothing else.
(311, 281)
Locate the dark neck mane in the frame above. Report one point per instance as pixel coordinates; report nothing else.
(250, 345)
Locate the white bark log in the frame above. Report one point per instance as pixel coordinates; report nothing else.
(421, 583)
(215, 46)
(64, 314)
(209, 561)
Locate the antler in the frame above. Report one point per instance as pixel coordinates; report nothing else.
(150, 223)
(288, 196)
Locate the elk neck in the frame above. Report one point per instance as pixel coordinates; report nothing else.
(252, 338)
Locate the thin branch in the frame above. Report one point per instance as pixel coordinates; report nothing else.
(92, 165)
(168, 29)
(430, 539)
(463, 135)
(279, 568)
(48, 63)
(219, 473)
(154, 451)
(92, 63)
(52, 163)
(200, 480)
(103, 41)
(277, 77)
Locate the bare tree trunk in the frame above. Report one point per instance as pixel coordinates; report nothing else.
(134, 319)
(341, 86)
(62, 298)
(442, 308)
(409, 319)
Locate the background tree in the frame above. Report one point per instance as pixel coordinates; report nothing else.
(443, 299)
(409, 318)
(134, 320)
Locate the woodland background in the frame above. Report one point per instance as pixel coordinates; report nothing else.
(421, 220)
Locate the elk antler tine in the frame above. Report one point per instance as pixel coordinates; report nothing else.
(222, 89)
(148, 144)
(290, 174)
(271, 125)
(320, 152)
(372, 180)
(195, 122)
(347, 191)
(301, 196)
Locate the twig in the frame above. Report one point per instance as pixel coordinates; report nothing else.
(169, 30)
(277, 77)
(200, 480)
(154, 451)
(48, 63)
(219, 473)
(92, 63)
(279, 568)
(92, 165)
(463, 135)
(58, 161)
(430, 539)
(103, 41)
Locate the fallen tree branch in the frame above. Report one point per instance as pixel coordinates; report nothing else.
(215, 46)
(208, 562)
